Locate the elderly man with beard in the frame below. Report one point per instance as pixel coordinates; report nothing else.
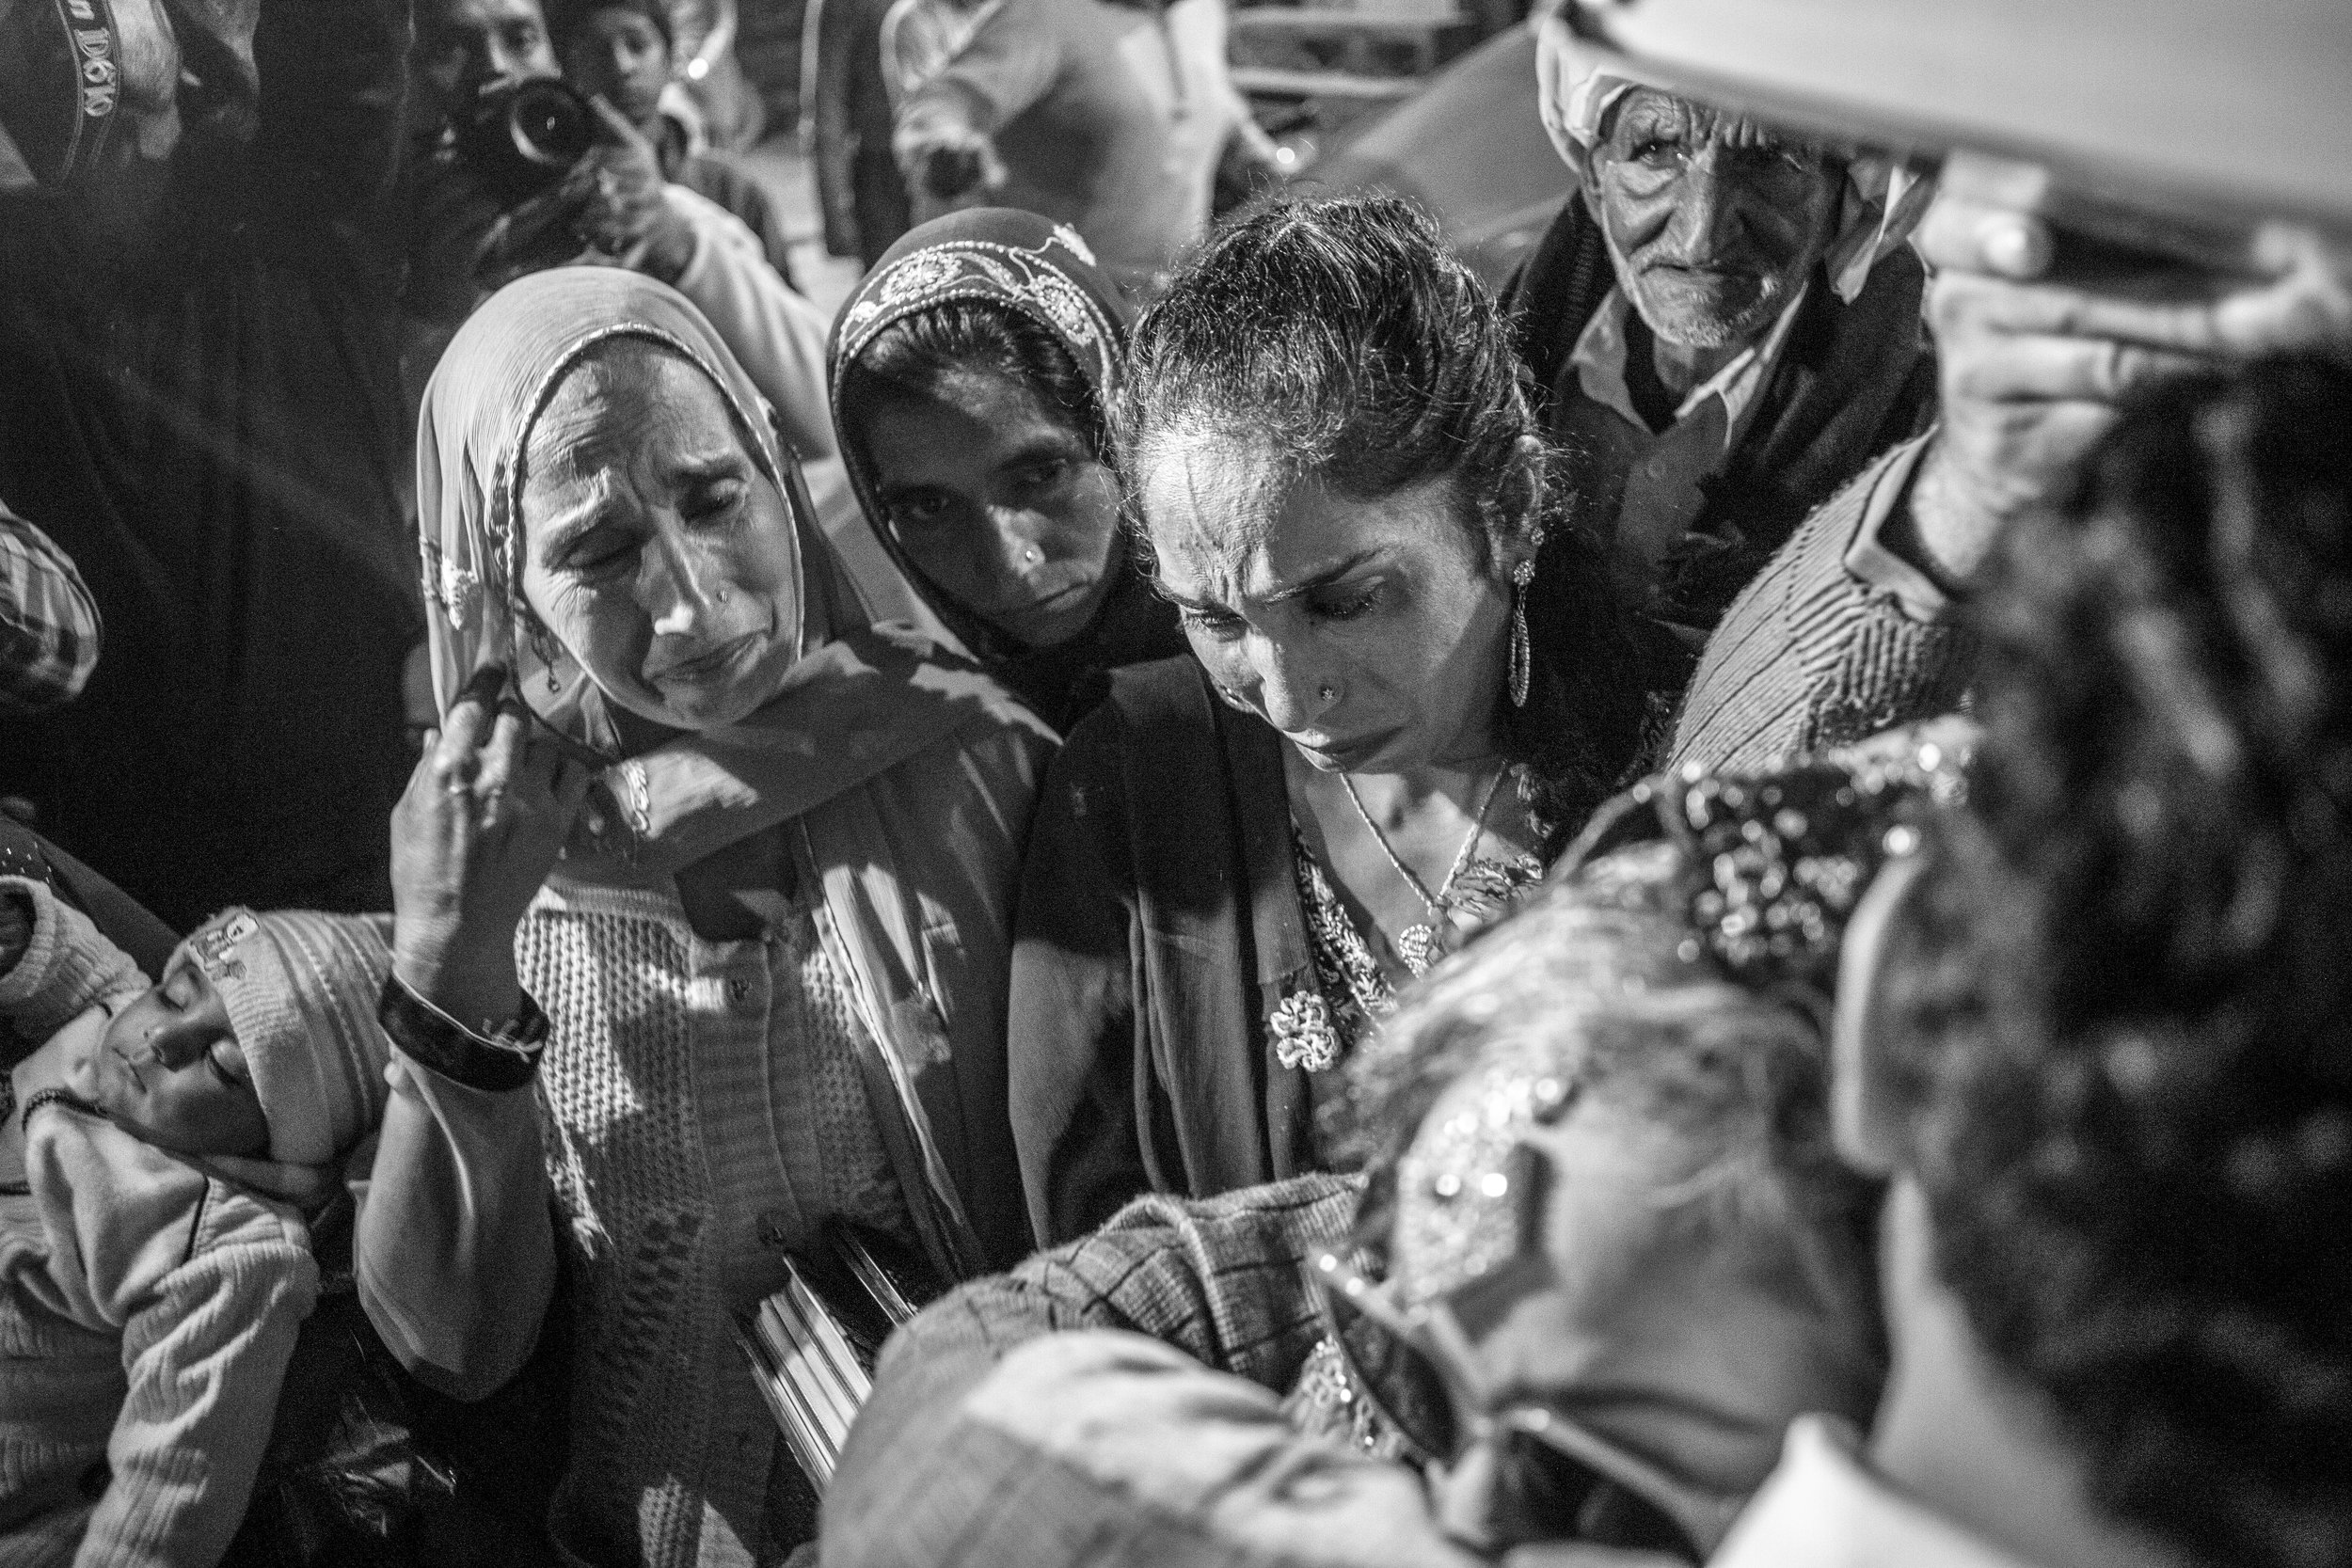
(1724, 325)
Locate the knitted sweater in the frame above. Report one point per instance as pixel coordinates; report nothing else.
(707, 1114)
(682, 1168)
(147, 1310)
(1835, 639)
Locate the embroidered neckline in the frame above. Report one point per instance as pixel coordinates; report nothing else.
(1345, 968)
(1355, 990)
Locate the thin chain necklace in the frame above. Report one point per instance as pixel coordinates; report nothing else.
(1420, 945)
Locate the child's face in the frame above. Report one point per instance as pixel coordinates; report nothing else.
(169, 1069)
(621, 53)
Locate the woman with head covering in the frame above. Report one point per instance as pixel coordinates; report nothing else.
(794, 1018)
(1413, 682)
(969, 374)
(1604, 1256)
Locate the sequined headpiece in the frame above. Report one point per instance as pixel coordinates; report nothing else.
(1765, 870)
(1774, 862)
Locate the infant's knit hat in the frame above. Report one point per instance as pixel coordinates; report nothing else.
(301, 991)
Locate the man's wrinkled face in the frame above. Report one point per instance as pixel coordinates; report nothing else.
(1712, 221)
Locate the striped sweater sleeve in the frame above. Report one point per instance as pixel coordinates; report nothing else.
(1817, 652)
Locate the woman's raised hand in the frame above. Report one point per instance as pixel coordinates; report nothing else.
(475, 835)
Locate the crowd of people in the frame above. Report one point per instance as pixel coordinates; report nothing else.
(1686, 915)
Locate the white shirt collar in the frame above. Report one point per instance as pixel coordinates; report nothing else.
(1822, 1508)
(1599, 360)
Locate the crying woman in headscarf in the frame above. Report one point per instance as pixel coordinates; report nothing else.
(772, 967)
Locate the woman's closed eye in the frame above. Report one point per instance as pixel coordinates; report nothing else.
(1343, 604)
(716, 503)
(1222, 625)
(600, 552)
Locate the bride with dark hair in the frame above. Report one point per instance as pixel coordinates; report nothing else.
(1412, 683)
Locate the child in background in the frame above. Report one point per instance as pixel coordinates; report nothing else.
(623, 51)
(147, 1304)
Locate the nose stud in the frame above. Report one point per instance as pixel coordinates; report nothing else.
(1032, 555)
(1327, 692)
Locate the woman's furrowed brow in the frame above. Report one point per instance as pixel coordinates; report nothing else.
(560, 531)
(1323, 578)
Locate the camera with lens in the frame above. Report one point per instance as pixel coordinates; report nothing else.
(521, 137)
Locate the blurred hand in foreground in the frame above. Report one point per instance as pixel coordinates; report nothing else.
(2040, 336)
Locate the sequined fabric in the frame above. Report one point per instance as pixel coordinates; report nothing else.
(1779, 861)
(1320, 1032)
(1326, 1401)
(1355, 991)
(1459, 1222)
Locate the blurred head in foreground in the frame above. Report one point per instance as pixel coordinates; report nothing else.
(1611, 1216)
(2101, 1034)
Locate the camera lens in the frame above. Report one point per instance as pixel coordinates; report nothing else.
(550, 124)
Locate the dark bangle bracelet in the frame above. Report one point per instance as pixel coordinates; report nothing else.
(429, 1035)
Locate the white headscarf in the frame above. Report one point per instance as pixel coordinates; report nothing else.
(859, 700)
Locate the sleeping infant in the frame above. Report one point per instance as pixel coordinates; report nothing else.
(147, 1304)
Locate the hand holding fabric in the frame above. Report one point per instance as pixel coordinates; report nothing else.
(476, 832)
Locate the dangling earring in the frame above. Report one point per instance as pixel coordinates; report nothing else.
(1522, 658)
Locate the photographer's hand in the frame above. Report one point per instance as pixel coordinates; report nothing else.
(534, 235)
(624, 213)
(2035, 354)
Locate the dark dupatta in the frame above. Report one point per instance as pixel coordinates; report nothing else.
(1159, 930)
